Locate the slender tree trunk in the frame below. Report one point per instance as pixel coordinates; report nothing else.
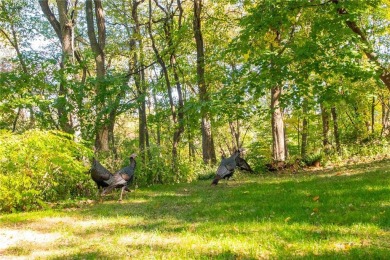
(336, 130)
(191, 146)
(16, 119)
(235, 133)
(13, 40)
(104, 125)
(111, 125)
(180, 113)
(180, 124)
(373, 115)
(177, 116)
(385, 116)
(279, 149)
(64, 30)
(158, 126)
(136, 45)
(305, 129)
(208, 148)
(325, 127)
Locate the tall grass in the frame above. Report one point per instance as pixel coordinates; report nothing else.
(342, 213)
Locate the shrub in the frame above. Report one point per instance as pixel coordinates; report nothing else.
(160, 170)
(313, 159)
(37, 167)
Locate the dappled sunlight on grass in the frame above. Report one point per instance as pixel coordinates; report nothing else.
(255, 217)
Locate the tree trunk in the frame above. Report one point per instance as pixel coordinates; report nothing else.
(168, 29)
(385, 116)
(64, 30)
(13, 40)
(336, 130)
(177, 116)
(279, 149)
(208, 149)
(102, 138)
(305, 129)
(373, 115)
(325, 127)
(158, 127)
(16, 120)
(97, 42)
(136, 68)
(235, 133)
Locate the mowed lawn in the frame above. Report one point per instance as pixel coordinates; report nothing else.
(340, 213)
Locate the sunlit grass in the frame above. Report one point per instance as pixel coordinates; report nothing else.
(341, 213)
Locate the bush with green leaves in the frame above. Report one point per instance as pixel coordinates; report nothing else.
(160, 169)
(312, 159)
(37, 167)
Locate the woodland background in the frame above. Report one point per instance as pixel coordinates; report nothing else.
(182, 83)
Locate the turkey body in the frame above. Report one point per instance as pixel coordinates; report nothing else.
(226, 168)
(100, 175)
(122, 178)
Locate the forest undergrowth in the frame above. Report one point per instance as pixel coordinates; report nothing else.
(338, 212)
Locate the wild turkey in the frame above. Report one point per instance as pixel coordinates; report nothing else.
(100, 175)
(243, 165)
(122, 178)
(226, 167)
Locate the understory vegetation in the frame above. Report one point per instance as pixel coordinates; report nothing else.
(337, 213)
(42, 168)
(162, 93)
(38, 167)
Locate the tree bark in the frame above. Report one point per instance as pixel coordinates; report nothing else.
(278, 135)
(305, 129)
(158, 127)
(136, 68)
(235, 133)
(208, 149)
(385, 116)
(336, 130)
(64, 30)
(325, 127)
(373, 115)
(168, 30)
(104, 126)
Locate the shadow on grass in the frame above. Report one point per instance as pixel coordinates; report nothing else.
(344, 212)
(330, 199)
(85, 256)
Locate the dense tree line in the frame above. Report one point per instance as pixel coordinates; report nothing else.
(191, 80)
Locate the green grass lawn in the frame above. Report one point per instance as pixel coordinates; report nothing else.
(342, 213)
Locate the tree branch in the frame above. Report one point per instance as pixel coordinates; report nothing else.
(50, 17)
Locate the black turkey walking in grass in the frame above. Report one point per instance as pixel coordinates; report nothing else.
(226, 167)
(100, 175)
(122, 178)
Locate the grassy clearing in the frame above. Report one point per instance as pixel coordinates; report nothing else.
(342, 213)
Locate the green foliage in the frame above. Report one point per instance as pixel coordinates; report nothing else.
(313, 159)
(160, 168)
(340, 213)
(38, 167)
(304, 46)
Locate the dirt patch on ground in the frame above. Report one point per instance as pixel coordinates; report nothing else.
(16, 237)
